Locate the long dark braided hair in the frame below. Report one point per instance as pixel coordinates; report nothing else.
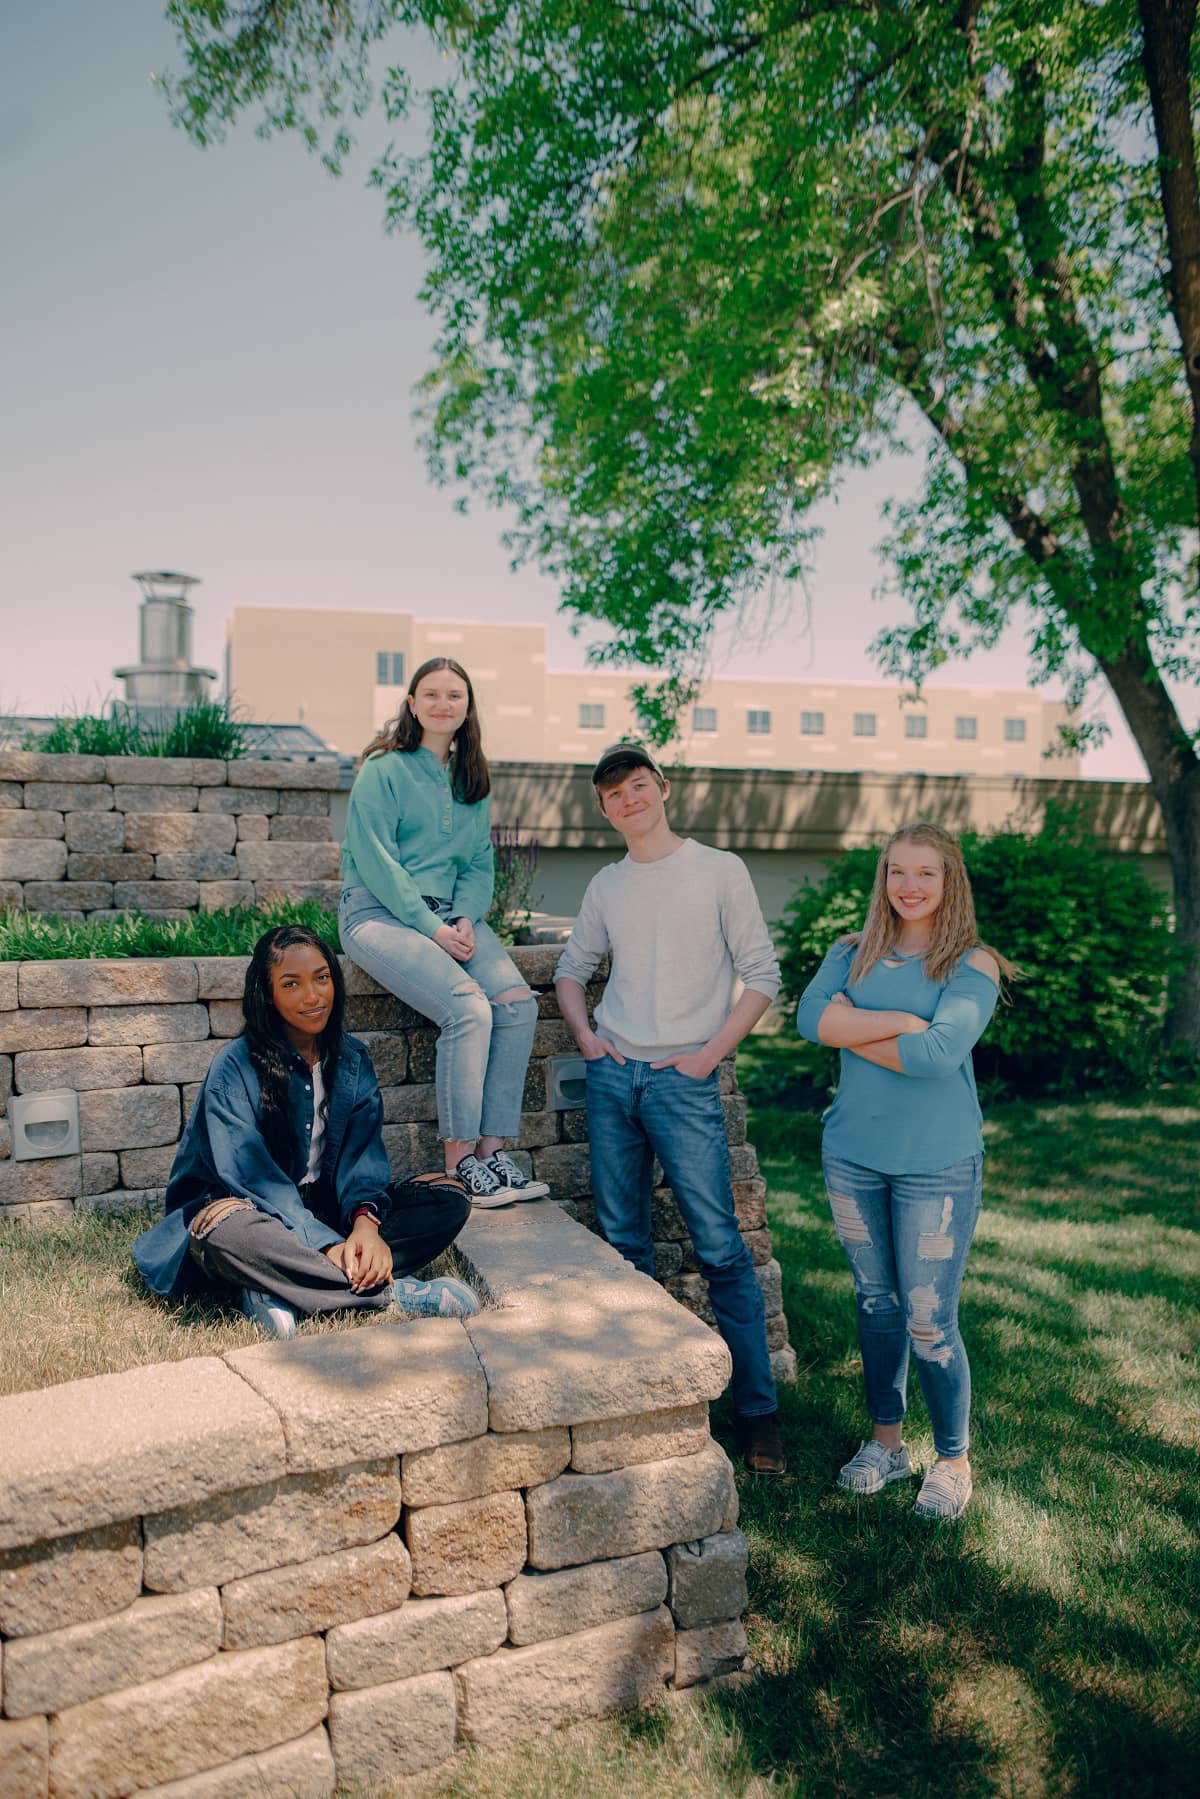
(270, 1051)
(468, 764)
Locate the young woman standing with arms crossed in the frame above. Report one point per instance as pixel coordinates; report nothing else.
(905, 1001)
(417, 868)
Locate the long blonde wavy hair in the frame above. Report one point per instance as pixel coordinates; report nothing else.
(955, 932)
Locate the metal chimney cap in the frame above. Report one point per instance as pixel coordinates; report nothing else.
(165, 577)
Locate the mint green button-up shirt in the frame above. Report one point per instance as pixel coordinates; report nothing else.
(407, 835)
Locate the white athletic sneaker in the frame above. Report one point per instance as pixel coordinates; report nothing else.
(944, 1493)
(271, 1314)
(446, 1297)
(514, 1179)
(874, 1467)
(483, 1187)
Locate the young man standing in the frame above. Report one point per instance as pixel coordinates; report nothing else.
(678, 919)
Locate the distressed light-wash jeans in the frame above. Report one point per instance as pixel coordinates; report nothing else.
(483, 1047)
(636, 1112)
(906, 1237)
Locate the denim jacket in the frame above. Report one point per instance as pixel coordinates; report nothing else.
(223, 1153)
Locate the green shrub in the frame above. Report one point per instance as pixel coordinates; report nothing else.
(1090, 933)
(205, 729)
(516, 865)
(30, 937)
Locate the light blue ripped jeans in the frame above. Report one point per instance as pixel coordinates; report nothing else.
(906, 1237)
(483, 1048)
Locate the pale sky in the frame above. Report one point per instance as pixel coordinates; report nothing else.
(207, 362)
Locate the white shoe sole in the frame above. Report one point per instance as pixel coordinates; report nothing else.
(489, 1201)
(885, 1480)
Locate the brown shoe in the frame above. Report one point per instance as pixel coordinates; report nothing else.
(761, 1448)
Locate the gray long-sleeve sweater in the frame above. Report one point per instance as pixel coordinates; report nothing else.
(678, 930)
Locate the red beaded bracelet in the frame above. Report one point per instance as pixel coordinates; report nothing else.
(365, 1212)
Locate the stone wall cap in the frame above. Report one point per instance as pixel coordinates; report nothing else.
(90, 1452)
(43, 765)
(165, 771)
(380, 1390)
(102, 981)
(323, 777)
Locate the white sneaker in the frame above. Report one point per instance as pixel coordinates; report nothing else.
(483, 1187)
(945, 1492)
(514, 1180)
(875, 1465)
(269, 1313)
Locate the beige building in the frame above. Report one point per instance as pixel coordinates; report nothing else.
(344, 673)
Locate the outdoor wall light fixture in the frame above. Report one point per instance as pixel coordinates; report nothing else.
(44, 1124)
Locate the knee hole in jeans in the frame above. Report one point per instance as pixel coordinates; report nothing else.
(925, 1333)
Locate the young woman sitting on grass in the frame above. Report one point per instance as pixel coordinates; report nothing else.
(906, 1000)
(280, 1188)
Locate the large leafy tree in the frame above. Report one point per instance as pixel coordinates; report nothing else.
(690, 259)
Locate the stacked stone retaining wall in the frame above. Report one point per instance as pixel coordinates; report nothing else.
(332, 1562)
(99, 836)
(135, 1040)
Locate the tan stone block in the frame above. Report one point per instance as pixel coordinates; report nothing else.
(156, 896)
(770, 1278)
(108, 983)
(82, 1069)
(147, 1024)
(8, 986)
(226, 1018)
(383, 1733)
(412, 1149)
(743, 1162)
(24, 1758)
(42, 765)
(410, 1104)
(537, 1130)
(171, 1062)
(589, 1517)
(122, 1201)
(300, 804)
(34, 859)
(225, 896)
(287, 861)
(488, 1464)
(87, 865)
(422, 1056)
(12, 895)
(236, 800)
(515, 1692)
(5, 1139)
(32, 824)
(691, 1290)
(302, 1769)
(92, 1451)
(381, 1012)
(98, 1172)
(668, 1259)
(783, 1366)
(12, 796)
(99, 832)
(567, 1167)
(537, 962)
(29, 1183)
(398, 1387)
(165, 771)
(234, 1533)
(704, 1654)
(197, 1718)
(389, 1055)
(551, 1037)
(316, 1595)
(68, 900)
(358, 982)
(160, 801)
(221, 977)
(253, 827)
(420, 1637)
(734, 1108)
(128, 1117)
(649, 1437)
(68, 796)
(317, 777)
(465, 1547)
(6, 1078)
(70, 1579)
(760, 1245)
(189, 1094)
(558, 1287)
(195, 865)
(143, 1168)
(325, 893)
(287, 828)
(708, 1579)
(70, 1666)
(542, 1605)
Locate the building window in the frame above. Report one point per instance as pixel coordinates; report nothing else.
(812, 724)
(864, 724)
(704, 718)
(591, 718)
(916, 724)
(389, 668)
(758, 722)
(966, 730)
(1014, 730)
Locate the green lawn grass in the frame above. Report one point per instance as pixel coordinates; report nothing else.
(1046, 1644)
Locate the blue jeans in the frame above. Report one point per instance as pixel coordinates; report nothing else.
(483, 1047)
(906, 1237)
(636, 1112)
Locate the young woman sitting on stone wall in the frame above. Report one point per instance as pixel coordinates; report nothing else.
(280, 1188)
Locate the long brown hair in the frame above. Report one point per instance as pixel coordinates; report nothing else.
(468, 764)
(955, 933)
